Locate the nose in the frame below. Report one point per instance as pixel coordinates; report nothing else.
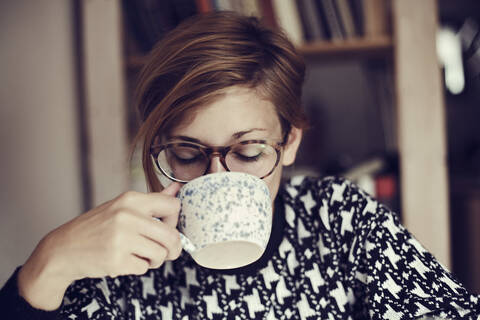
(216, 165)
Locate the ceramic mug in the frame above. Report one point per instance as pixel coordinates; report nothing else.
(225, 219)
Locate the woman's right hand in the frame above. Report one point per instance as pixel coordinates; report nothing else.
(119, 237)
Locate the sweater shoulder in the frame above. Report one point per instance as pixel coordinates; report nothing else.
(333, 200)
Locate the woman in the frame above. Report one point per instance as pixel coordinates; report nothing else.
(334, 253)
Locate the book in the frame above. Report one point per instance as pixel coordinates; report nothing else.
(288, 18)
(251, 8)
(237, 6)
(150, 20)
(346, 16)
(323, 20)
(184, 9)
(332, 19)
(356, 7)
(375, 18)
(223, 5)
(266, 11)
(244, 7)
(203, 6)
(313, 28)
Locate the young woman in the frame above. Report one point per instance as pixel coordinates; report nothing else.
(222, 92)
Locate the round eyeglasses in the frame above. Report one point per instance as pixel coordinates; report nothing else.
(185, 161)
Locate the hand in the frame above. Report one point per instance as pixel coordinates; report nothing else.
(119, 237)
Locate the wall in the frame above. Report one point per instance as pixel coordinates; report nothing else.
(346, 126)
(39, 143)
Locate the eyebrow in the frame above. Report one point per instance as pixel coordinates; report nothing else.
(236, 135)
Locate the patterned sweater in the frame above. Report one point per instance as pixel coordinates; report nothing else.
(334, 253)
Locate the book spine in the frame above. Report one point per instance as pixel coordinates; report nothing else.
(375, 18)
(204, 6)
(323, 20)
(217, 5)
(237, 6)
(268, 16)
(357, 14)
(251, 8)
(184, 9)
(314, 30)
(150, 20)
(345, 14)
(333, 22)
(288, 18)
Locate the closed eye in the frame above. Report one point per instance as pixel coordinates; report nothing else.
(246, 158)
(186, 160)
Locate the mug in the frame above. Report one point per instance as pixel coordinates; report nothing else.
(225, 219)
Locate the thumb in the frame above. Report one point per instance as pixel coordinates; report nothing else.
(172, 189)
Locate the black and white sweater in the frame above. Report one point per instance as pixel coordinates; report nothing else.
(334, 253)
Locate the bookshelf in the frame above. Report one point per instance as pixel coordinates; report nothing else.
(380, 47)
(420, 121)
(356, 48)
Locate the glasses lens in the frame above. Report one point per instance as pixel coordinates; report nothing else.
(257, 159)
(182, 162)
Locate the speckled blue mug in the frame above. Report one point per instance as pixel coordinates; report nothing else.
(226, 219)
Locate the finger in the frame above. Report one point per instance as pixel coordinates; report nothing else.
(162, 234)
(134, 225)
(131, 264)
(172, 189)
(137, 265)
(170, 218)
(151, 251)
(153, 204)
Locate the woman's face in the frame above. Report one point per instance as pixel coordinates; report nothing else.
(239, 115)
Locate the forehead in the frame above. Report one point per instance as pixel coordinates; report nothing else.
(238, 109)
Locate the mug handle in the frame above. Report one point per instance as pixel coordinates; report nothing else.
(187, 244)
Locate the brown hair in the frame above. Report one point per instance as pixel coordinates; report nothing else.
(190, 66)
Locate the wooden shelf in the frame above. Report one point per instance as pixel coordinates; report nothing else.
(380, 47)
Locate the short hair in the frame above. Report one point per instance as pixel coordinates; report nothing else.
(205, 54)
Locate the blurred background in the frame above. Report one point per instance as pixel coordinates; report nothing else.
(392, 91)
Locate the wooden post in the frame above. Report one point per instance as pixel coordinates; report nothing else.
(421, 126)
(104, 98)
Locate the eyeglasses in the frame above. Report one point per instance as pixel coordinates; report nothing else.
(185, 161)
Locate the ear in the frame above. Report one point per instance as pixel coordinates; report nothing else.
(291, 147)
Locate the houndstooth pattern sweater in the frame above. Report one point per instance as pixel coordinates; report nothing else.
(334, 253)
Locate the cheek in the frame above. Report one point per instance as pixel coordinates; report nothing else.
(273, 182)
